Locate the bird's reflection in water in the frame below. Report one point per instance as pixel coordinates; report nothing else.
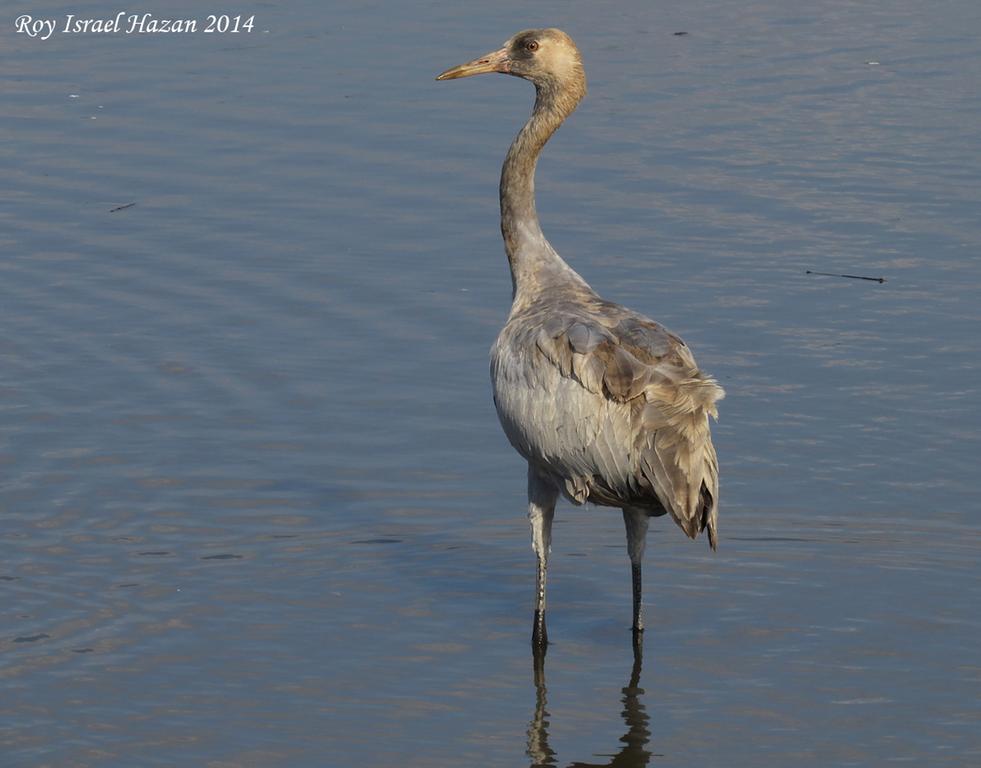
(635, 740)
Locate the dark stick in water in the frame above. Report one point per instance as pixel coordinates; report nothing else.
(853, 277)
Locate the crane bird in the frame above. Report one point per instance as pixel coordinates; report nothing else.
(605, 404)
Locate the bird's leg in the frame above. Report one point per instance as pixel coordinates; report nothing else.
(542, 495)
(636, 521)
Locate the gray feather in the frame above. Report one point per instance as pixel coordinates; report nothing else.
(617, 412)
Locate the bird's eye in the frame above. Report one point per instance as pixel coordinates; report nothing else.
(531, 46)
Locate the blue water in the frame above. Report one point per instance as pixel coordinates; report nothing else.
(255, 506)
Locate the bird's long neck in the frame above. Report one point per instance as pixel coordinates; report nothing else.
(534, 263)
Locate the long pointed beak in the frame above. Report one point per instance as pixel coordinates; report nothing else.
(497, 61)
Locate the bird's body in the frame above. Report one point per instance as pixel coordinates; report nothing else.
(605, 404)
(609, 406)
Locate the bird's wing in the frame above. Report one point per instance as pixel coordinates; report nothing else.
(631, 360)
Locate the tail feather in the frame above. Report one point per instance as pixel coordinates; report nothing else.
(679, 460)
(710, 517)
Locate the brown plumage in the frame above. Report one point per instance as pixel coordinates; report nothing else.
(605, 404)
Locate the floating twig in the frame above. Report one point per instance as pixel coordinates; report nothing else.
(853, 277)
(121, 207)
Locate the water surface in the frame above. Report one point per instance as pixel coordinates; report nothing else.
(256, 507)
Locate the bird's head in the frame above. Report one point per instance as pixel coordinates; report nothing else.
(547, 57)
